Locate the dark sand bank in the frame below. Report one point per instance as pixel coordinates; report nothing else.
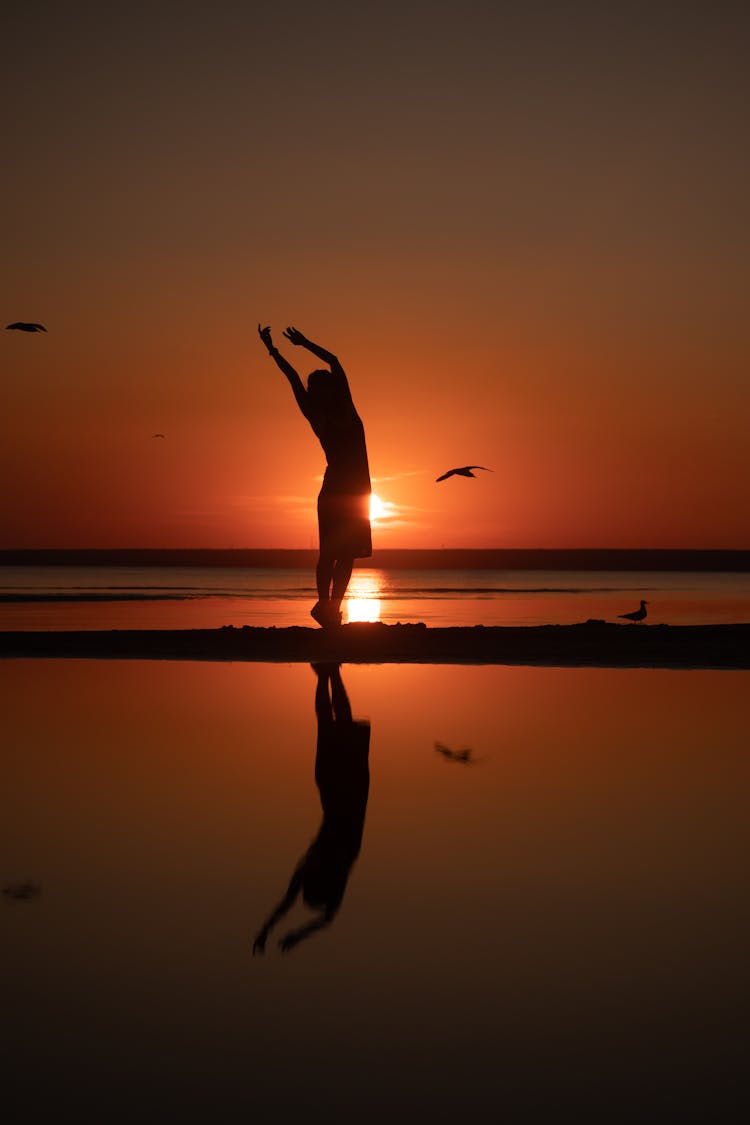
(500, 558)
(593, 643)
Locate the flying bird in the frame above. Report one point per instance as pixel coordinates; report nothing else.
(464, 471)
(637, 614)
(454, 755)
(22, 326)
(157, 435)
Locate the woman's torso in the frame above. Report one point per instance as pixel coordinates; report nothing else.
(343, 441)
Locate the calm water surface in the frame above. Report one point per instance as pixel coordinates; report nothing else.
(548, 908)
(40, 597)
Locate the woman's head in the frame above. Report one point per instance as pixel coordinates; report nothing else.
(319, 382)
(324, 391)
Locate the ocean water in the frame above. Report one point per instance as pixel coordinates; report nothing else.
(539, 893)
(42, 597)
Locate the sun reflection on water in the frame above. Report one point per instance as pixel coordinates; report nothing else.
(363, 598)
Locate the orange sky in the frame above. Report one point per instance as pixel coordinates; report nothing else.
(524, 232)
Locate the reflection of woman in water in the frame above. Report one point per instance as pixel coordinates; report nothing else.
(343, 779)
(344, 500)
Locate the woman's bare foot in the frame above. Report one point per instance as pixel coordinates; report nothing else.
(325, 615)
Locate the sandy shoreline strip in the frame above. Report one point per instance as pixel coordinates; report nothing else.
(590, 644)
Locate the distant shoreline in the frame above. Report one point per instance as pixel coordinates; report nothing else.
(620, 559)
(590, 644)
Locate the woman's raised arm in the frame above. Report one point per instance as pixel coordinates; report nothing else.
(295, 337)
(298, 387)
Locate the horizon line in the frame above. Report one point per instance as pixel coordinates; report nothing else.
(376, 550)
(685, 559)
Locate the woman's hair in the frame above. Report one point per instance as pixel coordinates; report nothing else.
(319, 382)
(325, 391)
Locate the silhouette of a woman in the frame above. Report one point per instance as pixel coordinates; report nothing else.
(344, 499)
(342, 775)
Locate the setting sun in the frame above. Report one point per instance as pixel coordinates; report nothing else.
(363, 597)
(377, 508)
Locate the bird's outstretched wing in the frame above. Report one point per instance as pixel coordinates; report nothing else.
(463, 756)
(463, 471)
(24, 326)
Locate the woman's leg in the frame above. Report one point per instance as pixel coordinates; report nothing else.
(339, 699)
(323, 611)
(342, 572)
(324, 576)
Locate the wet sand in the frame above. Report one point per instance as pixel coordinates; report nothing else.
(589, 644)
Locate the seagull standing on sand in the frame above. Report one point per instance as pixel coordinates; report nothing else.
(637, 614)
(23, 326)
(465, 471)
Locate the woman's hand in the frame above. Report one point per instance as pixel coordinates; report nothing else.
(294, 336)
(265, 335)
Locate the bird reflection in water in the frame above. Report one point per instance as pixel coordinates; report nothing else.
(22, 892)
(343, 779)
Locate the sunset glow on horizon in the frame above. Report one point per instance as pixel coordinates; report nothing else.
(377, 508)
(362, 602)
(524, 235)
